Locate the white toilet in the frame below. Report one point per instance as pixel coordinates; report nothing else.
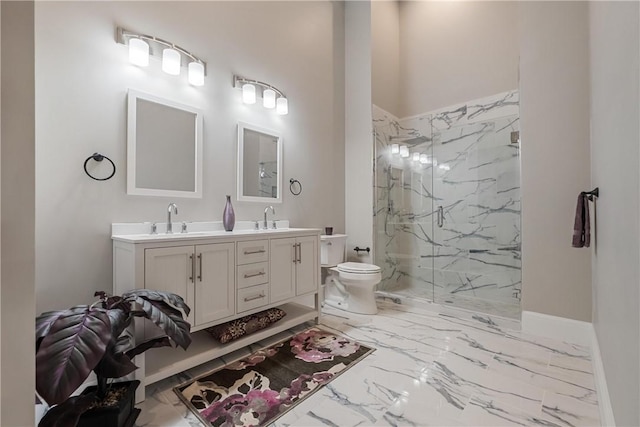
(349, 286)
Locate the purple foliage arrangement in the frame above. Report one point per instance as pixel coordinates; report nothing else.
(72, 343)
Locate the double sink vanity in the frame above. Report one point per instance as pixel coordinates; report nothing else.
(222, 276)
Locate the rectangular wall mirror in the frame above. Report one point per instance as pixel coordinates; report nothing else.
(259, 164)
(164, 147)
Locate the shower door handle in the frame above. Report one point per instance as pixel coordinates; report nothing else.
(440, 217)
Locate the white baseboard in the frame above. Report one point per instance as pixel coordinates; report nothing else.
(577, 332)
(559, 328)
(604, 402)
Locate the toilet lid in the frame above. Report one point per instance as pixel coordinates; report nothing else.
(358, 267)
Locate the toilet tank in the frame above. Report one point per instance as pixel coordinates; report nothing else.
(332, 249)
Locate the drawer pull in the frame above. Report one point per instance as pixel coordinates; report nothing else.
(262, 273)
(247, 299)
(259, 251)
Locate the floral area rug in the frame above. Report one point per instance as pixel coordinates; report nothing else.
(260, 388)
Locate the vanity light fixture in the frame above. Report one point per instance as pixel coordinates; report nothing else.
(269, 98)
(282, 106)
(171, 61)
(139, 52)
(395, 148)
(271, 95)
(173, 56)
(196, 73)
(424, 159)
(415, 157)
(248, 93)
(404, 151)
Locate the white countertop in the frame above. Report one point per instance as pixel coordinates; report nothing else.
(141, 232)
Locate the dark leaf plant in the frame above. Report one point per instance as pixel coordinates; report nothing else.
(72, 343)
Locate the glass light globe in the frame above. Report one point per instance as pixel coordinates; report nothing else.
(248, 93)
(171, 61)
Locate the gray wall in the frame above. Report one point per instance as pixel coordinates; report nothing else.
(1, 386)
(554, 117)
(358, 130)
(454, 51)
(18, 204)
(385, 55)
(81, 86)
(615, 139)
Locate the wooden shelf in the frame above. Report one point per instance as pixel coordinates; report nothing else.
(165, 362)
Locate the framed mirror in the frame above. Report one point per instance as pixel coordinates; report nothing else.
(164, 147)
(259, 164)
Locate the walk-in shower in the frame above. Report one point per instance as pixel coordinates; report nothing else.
(447, 205)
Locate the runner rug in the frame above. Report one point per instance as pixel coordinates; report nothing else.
(262, 387)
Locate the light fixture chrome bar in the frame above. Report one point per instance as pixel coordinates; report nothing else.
(239, 81)
(123, 36)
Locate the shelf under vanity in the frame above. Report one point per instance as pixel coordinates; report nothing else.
(166, 362)
(222, 276)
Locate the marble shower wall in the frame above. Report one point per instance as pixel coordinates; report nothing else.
(473, 172)
(403, 207)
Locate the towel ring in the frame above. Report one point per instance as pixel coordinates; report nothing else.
(98, 158)
(292, 183)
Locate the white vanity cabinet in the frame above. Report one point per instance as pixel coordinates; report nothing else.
(221, 276)
(253, 275)
(308, 264)
(203, 275)
(294, 263)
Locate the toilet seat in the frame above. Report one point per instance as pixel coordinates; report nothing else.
(358, 268)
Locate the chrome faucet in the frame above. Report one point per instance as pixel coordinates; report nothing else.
(273, 211)
(172, 207)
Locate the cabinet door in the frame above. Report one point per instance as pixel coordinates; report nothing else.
(282, 268)
(307, 266)
(215, 282)
(171, 270)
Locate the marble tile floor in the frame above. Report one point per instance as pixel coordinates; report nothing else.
(429, 369)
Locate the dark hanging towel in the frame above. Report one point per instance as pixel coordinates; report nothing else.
(582, 226)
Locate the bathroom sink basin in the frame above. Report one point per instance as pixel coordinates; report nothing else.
(212, 233)
(177, 235)
(273, 230)
(260, 231)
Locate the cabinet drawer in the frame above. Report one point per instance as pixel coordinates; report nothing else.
(253, 297)
(253, 251)
(253, 274)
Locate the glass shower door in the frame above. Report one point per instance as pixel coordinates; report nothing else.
(403, 226)
(476, 187)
